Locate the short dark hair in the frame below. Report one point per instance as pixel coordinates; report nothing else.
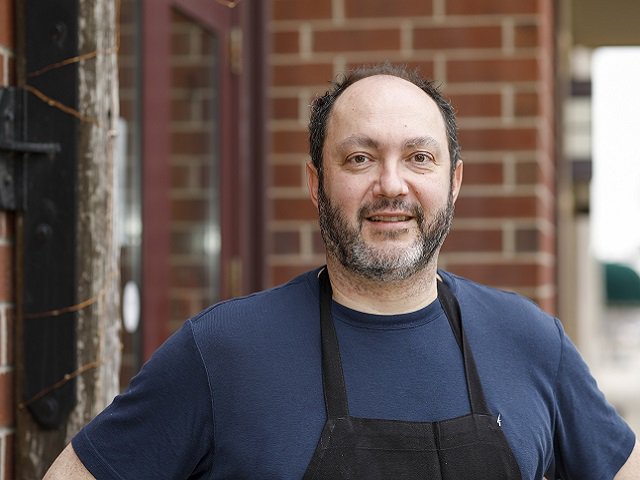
(322, 105)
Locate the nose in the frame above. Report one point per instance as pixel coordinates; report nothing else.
(390, 182)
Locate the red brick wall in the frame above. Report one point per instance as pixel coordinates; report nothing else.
(495, 61)
(7, 300)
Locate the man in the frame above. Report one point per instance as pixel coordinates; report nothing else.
(378, 365)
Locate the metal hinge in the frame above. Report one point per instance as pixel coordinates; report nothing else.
(15, 149)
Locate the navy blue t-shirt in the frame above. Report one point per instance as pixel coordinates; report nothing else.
(237, 392)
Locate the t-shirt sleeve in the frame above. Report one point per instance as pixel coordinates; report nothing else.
(162, 426)
(592, 441)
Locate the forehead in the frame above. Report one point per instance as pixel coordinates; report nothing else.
(386, 106)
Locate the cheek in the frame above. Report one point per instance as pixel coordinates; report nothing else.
(434, 196)
(346, 192)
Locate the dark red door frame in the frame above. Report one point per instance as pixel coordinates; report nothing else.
(156, 148)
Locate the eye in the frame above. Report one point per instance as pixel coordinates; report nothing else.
(358, 159)
(422, 158)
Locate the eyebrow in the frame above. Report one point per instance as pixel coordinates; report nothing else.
(424, 141)
(358, 140)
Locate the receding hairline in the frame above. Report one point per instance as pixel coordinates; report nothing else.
(364, 140)
(377, 77)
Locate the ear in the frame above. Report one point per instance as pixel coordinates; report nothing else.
(457, 180)
(313, 182)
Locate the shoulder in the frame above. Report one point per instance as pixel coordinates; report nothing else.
(297, 292)
(498, 321)
(261, 315)
(469, 291)
(503, 308)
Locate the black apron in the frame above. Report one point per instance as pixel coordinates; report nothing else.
(469, 447)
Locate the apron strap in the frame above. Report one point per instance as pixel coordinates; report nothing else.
(451, 308)
(335, 392)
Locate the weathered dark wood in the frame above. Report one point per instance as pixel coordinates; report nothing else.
(93, 248)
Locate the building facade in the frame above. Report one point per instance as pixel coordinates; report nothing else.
(210, 169)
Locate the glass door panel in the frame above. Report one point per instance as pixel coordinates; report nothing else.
(194, 163)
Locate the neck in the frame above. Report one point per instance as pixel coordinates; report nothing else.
(383, 297)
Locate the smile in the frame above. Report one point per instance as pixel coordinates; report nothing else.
(389, 218)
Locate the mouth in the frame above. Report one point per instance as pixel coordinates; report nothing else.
(389, 218)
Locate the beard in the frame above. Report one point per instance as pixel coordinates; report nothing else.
(391, 263)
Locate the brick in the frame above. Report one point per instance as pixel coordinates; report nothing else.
(288, 176)
(497, 70)
(527, 173)
(286, 242)
(208, 47)
(284, 108)
(10, 316)
(180, 176)
(194, 210)
(461, 240)
(190, 276)
(477, 104)
(6, 225)
(6, 273)
(194, 178)
(511, 275)
(483, 173)
(6, 399)
(356, 40)
(286, 42)
(300, 9)
(475, 206)
(547, 242)
(386, 9)
(526, 36)
(283, 273)
(452, 37)
(424, 67)
(126, 48)
(8, 21)
(508, 139)
(546, 274)
(183, 305)
(294, 209)
(302, 74)
(8, 455)
(290, 142)
(126, 76)
(181, 242)
(527, 240)
(490, 7)
(191, 77)
(526, 105)
(127, 111)
(181, 110)
(190, 143)
(127, 12)
(182, 43)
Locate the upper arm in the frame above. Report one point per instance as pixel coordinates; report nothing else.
(68, 465)
(631, 469)
(162, 426)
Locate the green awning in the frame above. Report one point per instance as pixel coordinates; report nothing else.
(622, 285)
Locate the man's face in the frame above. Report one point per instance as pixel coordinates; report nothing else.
(386, 195)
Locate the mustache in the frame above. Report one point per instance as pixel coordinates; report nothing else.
(396, 204)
